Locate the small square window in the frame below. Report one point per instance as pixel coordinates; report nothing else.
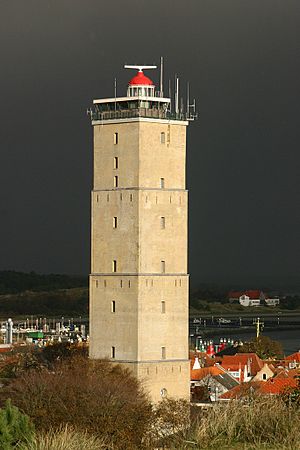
(115, 222)
(113, 306)
(113, 352)
(162, 183)
(116, 138)
(162, 223)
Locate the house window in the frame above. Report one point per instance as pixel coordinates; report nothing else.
(163, 307)
(116, 181)
(163, 353)
(162, 183)
(116, 162)
(162, 138)
(113, 352)
(162, 223)
(116, 138)
(115, 222)
(264, 376)
(163, 266)
(114, 265)
(113, 306)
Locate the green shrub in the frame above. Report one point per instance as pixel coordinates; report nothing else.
(15, 427)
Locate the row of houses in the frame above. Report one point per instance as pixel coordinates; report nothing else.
(253, 298)
(235, 376)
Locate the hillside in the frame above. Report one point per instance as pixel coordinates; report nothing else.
(68, 302)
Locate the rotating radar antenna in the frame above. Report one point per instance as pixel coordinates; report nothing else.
(139, 68)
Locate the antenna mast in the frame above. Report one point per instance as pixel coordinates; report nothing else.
(115, 94)
(188, 99)
(176, 93)
(161, 76)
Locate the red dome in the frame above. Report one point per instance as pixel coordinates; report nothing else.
(140, 79)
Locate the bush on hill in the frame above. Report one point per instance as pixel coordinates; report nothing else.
(12, 282)
(96, 396)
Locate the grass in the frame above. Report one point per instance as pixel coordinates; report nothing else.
(264, 423)
(66, 438)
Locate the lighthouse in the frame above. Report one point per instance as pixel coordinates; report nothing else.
(139, 280)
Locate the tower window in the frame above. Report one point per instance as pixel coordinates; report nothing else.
(163, 307)
(131, 197)
(97, 284)
(162, 183)
(114, 265)
(163, 393)
(113, 306)
(163, 266)
(107, 197)
(162, 138)
(116, 162)
(116, 138)
(97, 198)
(116, 181)
(163, 353)
(113, 352)
(162, 223)
(115, 222)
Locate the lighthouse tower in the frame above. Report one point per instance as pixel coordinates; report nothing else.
(139, 281)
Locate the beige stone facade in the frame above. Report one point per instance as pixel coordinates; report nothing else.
(139, 281)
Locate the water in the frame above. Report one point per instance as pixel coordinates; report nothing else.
(289, 339)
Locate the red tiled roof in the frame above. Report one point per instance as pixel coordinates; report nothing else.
(288, 373)
(273, 386)
(239, 360)
(294, 357)
(199, 374)
(277, 385)
(253, 294)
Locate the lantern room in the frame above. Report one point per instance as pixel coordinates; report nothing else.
(140, 86)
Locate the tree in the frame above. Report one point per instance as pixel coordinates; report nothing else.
(15, 427)
(264, 347)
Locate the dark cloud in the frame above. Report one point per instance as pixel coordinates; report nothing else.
(242, 60)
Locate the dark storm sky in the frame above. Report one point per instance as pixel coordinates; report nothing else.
(242, 59)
